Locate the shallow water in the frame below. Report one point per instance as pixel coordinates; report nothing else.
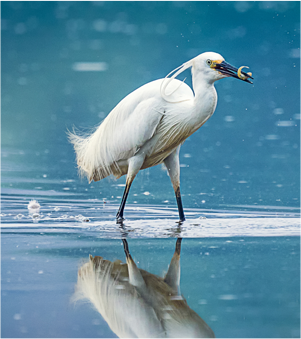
(98, 218)
(239, 270)
(241, 286)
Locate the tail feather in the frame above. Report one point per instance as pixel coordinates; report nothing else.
(91, 159)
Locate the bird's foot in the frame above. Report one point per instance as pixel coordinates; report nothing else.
(181, 221)
(119, 219)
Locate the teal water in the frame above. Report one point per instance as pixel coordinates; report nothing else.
(240, 173)
(242, 286)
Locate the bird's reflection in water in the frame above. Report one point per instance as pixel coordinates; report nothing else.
(136, 303)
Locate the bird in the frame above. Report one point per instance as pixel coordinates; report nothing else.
(150, 124)
(136, 303)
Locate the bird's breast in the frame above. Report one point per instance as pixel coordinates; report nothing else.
(178, 121)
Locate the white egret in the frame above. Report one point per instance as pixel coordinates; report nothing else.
(136, 303)
(149, 125)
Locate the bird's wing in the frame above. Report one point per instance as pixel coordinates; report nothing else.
(127, 128)
(130, 125)
(136, 118)
(134, 129)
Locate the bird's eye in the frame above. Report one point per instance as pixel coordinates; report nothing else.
(209, 62)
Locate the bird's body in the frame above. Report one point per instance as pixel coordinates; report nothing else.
(142, 123)
(149, 125)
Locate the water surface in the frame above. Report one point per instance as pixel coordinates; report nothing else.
(241, 286)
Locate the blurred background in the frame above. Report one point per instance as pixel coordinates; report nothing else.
(68, 64)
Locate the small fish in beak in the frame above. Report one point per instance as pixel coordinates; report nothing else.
(242, 76)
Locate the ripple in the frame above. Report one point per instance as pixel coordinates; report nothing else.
(150, 220)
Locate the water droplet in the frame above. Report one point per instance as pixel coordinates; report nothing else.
(17, 316)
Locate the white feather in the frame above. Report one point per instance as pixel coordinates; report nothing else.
(134, 121)
(167, 81)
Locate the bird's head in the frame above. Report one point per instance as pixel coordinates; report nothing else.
(207, 66)
(214, 67)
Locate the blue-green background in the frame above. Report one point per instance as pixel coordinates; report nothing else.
(246, 154)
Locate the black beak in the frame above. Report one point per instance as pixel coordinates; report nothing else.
(231, 71)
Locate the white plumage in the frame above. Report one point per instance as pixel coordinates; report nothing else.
(149, 125)
(138, 118)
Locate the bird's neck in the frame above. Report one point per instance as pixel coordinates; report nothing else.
(204, 101)
(200, 82)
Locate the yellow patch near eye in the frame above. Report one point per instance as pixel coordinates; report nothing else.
(242, 76)
(215, 62)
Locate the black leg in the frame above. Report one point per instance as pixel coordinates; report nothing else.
(180, 206)
(126, 249)
(124, 232)
(119, 215)
(178, 246)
